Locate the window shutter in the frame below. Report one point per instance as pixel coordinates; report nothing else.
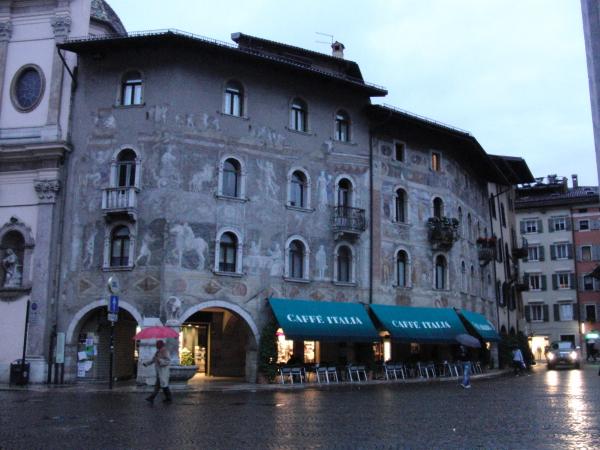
(526, 279)
(581, 283)
(579, 254)
(544, 283)
(596, 284)
(541, 252)
(576, 225)
(546, 313)
(528, 313)
(594, 225)
(540, 226)
(568, 224)
(550, 225)
(522, 226)
(553, 252)
(596, 252)
(556, 313)
(575, 311)
(570, 251)
(572, 281)
(554, 281)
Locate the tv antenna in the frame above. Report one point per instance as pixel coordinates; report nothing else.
(330, 36)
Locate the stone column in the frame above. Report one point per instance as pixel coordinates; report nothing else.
(41, 290)
(5, 35)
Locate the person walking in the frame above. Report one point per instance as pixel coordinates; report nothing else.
(463, 357)
(518, 361)
(161, 361)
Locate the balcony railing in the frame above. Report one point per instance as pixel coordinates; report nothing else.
(443, 232)
(486, 249)
(120, 200)
(346, 220)
(522, 251)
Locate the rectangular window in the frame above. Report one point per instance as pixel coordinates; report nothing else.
(436, 161)
(563, 280)
(586, 253)
(533, 254)
(561, 251)
(535, 283)
(584, 225)
(588, 283)
(560, 223)
(531, 226)
(590, 313)
(566, 311)
(399, 151)
(537, 313)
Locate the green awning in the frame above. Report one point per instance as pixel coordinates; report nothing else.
(426, 325)
(323, 321)
(482, 326)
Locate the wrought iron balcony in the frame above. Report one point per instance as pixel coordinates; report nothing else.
(522, 251)
(348, 222)
(120, 201)
(443, 232)
(486, 249)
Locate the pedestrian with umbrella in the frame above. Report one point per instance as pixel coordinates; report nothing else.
(161, 359)
(466, 340)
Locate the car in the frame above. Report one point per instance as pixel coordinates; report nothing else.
(563, 353)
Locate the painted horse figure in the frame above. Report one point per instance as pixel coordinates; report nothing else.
(186, 241)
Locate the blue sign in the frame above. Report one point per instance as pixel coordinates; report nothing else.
(113, 305)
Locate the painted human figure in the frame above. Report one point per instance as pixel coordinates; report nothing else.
(10, 264)
(322, 190)
(277, 258)
(321, 262)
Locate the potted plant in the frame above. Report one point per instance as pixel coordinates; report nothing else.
(267, 353)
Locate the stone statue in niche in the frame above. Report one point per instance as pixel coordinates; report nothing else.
(321, 262)
(322, 191)
(173, 310)
(186, 241)
(12, 271)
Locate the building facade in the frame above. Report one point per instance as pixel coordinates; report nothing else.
(550, 216)
(35, 88)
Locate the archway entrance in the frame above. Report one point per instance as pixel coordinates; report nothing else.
(92, 341)
(221, 343)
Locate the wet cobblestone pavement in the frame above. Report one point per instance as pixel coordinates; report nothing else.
(555, 409)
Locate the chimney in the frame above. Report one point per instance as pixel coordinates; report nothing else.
(337, 50)
(574, 178)
(552, 179)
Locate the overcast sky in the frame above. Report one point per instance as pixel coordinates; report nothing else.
(511, 72)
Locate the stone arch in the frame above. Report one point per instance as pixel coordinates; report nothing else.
(83, 312)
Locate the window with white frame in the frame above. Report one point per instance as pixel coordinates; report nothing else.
(399, 151)
(344, 264)
(131, 89)
(535, 281)
(561, 251)
(120, 247)
(233, 99)
(231, 182)
(440, 273)
(342, 126)
(344, 193)
(298, 190)
(531, 226)
(588, 283)
(436, 161)
(126, 168)
(560, 223)
(565, 311)
(463, 277)
(590, 313)
(533, 253)
(228, 245)
(563, 280)
(586, 253)
(438, 208)
(472, 281)
(400, 206)
(536, 312)
(402, 269)
(299, 115)
(297, 259)
(584, 225)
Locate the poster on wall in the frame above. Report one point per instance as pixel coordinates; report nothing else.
(81, 370)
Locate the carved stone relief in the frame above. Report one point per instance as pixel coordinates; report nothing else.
(47, 190)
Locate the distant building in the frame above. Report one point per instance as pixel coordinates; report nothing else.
(560, 225)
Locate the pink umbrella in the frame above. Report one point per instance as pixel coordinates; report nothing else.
(156, 333)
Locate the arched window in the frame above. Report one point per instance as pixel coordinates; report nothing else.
(119, 247)
(12, 253)
(463, 277)
(502, 215)
(342, 126)
(296, 260)
(400, 206)
(298, 190)
(131, 89)
(299, 115)
(234, 99)
(344, 194)
(440, 272)
(402, 269)
(228, 252)
(469, 227)
(126, 162)
(438, 208)
(461, 226)
(344, 264)
(472, 288)
(231, 178)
